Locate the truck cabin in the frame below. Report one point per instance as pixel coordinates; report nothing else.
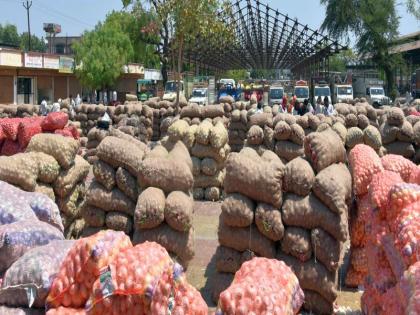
(322, 91)
(276, 95)
(344, 93)
(171, 86)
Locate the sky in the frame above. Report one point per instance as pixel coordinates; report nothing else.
(75, 16)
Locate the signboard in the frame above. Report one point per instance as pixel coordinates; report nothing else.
(33, 60)
(212, 90)
(66, 65)
(51, 62)
(10, 58)
(52, 28)
(152, 74)
(135, 68)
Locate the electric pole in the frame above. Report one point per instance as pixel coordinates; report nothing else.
(27, 6)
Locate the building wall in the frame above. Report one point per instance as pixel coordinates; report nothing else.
(74, 87)
(60, 87)
(6, 89)
(45, 88)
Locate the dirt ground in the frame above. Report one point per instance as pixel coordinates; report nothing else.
(202, 268)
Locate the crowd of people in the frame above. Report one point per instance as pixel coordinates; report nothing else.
(322, 106)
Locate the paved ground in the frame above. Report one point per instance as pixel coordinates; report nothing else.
(202, 268)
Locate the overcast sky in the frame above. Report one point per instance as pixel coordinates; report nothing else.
(75, 16)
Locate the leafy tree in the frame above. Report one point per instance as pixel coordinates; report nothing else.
(131, 23)
(101, 54)
(374, 24)
(237, 75)
(37, 44)
(179, 23)
(9, 35)
(339, 61)
(413, 7)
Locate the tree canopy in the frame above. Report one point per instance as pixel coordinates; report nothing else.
(10, 36)
(101, 55)
(374, 24)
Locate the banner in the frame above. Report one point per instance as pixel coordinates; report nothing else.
(33, 60)
(10, 58)
(66, 65)
(51, 62)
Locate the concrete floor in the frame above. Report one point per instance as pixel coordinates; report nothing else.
(202, 268)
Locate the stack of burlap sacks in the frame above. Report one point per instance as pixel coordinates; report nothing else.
(260, 135)
(88, 115)
(50, 166)
(161, 110)
(209, 150)
(111, 197)
(133, 119)
(22, 110)
(193, 113)
(164, 210)
(306, 228)
(94, 138)
(415, 121)
(397, 133)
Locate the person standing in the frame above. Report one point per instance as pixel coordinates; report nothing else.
(319, 108)
(43, 108)
(307, 107)
(329, 108)
(284, 104)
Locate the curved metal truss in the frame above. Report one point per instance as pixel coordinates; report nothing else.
(263, 38)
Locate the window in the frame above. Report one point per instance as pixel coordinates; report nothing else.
(344, 91)
(302, 92)
(322, 91)
(24, 86)
(276, 94)
(59, 48)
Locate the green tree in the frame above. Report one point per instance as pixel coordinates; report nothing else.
(236, 75)
(9, 35)
(180, 22)
(374, 23)
(339, 61)
(101, 55)
(37, 44)
(413, 7)
(131, 23)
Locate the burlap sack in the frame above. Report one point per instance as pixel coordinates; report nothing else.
(212, 194)
(203, 132)
(63, 149)
(351, 121)
(372, 137)
(341, 130)
(113, 200)
(268, 221)
(158, 151)
(178, 243)
(395, 116)
(167, 174)
(67, 179)
(230, 260)
(297, 243)
(255, 135)
(270, 156)
(416, 130)
(326, 249)
(309, 213)
(20, 170)
(388, 133)
(288, 150)
(405, 149)
(406, 132)
(333, 187)
(324, 148)
(150, 209)
(179, 152)
(303, 121)
(46, 190)
(127, 183)
(282, 131)
(189, 136)
(258, 180)
(312, 276)
(298, 177)
(297, 135)
(204, 181)
(218, 135)
(48, 167)
(179, 209)
(354, 136)
(213, 111)
(198, 193)
(362, 121)
(196, 165)
(71, 204)
(209, 167)
(191, 111)
(93, 216)
(139, 146)
(243, 239)
(237, 210)
(261, 119)
(322, 127)
(119, 222)
(121, 153)
(316, 304)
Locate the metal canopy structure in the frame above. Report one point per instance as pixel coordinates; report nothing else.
(263, 38)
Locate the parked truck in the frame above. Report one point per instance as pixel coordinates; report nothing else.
(372, 89)
(171, 89)
(301, 91)
(321, 90)
(342, 93)
(276, 95)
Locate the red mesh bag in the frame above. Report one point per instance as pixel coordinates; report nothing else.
(73, 131)
(398, 164)
(400, 197)
(409, 289)
(66, 311)
(357, 227)
(359, 259)
(55, 121)
(83, 265)
(379, 189)
(364, 163)
(27, 129)
(262, 286)
(2, 135)
(64, 132)
(415, 176)
(407, 234)
(10, 127)
(354, 278)
(10, 148)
